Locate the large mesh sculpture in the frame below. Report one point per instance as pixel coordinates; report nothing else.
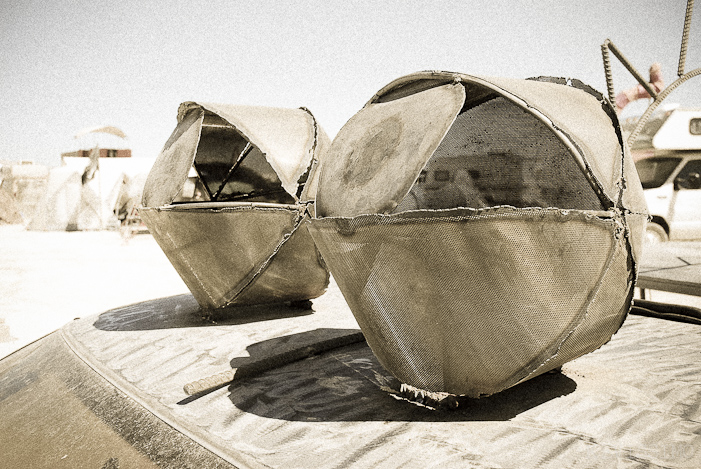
(483, 230)
(226, 200)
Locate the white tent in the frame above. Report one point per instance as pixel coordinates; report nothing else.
(59, 206)
(70, 204)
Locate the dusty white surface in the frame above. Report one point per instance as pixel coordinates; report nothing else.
(50, 278)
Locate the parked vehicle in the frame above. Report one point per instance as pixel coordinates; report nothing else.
(668, 160)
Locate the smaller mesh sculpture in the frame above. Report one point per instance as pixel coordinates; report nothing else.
(226, 200)
(483, 230)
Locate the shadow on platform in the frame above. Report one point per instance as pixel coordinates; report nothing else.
(347, 383)
(183, 311)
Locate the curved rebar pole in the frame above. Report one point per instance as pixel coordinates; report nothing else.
(661, 97)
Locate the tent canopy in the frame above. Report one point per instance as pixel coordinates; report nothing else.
(105, 129)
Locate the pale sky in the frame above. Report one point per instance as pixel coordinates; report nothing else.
(65, 66)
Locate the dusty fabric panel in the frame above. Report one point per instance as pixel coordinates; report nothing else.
(382, 149)
(284, 136)
(296, 272)
(469, 303)
(170, 169)
(605, 313)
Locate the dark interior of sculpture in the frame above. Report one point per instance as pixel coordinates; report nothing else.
(496, 153)
(229, 168)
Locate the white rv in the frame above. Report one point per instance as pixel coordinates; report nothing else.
(668, 158)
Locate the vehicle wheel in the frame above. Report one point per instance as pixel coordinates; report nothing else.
(654, 234)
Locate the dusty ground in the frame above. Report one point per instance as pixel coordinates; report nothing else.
(50, 278)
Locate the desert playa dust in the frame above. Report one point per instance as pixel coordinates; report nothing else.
(48, 278)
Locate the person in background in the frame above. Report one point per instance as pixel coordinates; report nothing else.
(638, 91)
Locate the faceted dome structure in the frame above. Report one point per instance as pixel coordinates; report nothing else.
(227, 198)
(482, 230)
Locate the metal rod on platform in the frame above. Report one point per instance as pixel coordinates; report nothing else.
(275, 361)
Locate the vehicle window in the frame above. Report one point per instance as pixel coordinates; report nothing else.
(689, 177)
(57, 412)
(654, 172)
(695, 126)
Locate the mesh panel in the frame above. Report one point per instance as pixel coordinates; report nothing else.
(499, 154)
(297, 272)
(605, 314)
(472, 302)
(222, 254)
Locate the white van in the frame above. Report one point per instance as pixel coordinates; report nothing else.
(668, 159)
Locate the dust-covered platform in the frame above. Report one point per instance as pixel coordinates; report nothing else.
(635, 402)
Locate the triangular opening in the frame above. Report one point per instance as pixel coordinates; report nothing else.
(496, 153)
(230, 168)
